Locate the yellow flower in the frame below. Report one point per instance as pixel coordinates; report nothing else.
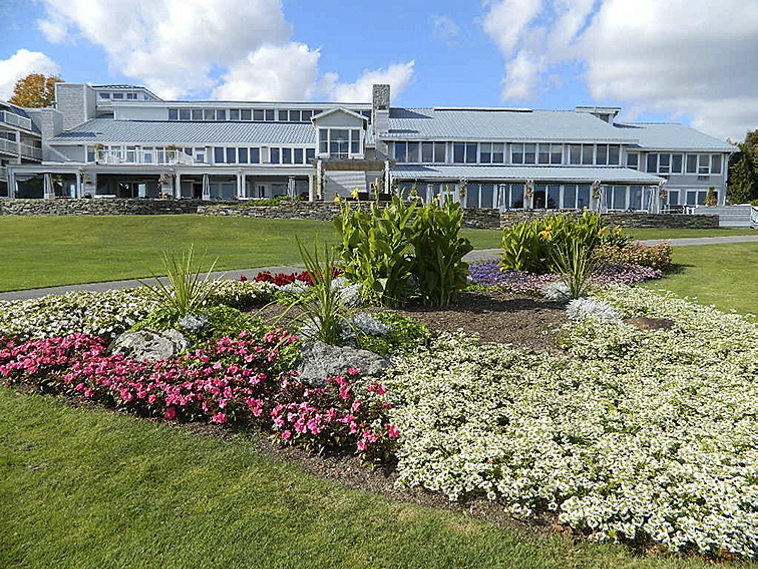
(602, 231)
(617, 230)
(337, 199)
(355, 194)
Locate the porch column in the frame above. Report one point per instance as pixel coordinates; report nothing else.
(78, 186)
(387, 178)
(177, 185)
(12, 187)
(48, 192)
(238, 193)
(319, 181)
(311, 189)
(206, 187)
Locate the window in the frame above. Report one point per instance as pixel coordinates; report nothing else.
(516, 196)
(401, 152)
(118, 95)
(160, 155)
(715, 163)
(427, 152)
(255, 156)
(184, 114)
(234, 114)
(530, 153)
(491, 152)
(131, 154)
(305, 116)
(221, 115)
(703, 166)
(218, 155)
(553, 196)
(676, 163)
(556, 154)
(517, 153)
(200, 155)
(635, 197)
(131, 96)
(602, 155)
(200, 114)
(617, 197)
(696, 197)
(543, 154)
(583, 197)
(587, 153)
(148, 155)
(355, 143)
(294, 116)
(258, 114)
(286, 156)
(569, 197)
(652, 163)
(471, 151)
(298, 156)
(632, 160)
(692, 163)
(323, 142)
(673, 197)
(459, 152)
(413, 152)
(90, 154)
(310, 154)
(242, 155)
(339, 142)
(105, 95)
(231, 155)
(284, 116)
(614, 154)
(575, 153)
(173, 114)
(269, 114)
(664, 163)
(274, 155)
(246, 114)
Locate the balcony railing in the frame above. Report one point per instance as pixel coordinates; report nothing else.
(171, 157)
(15, 120)
(9, 146)
(29, 151)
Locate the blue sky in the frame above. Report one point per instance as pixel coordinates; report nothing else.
(532, 53)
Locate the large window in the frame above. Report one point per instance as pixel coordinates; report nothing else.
(550, 154)
(465, 152)
(491, 153)
(582, 154)
(340, 142)
(433, 152)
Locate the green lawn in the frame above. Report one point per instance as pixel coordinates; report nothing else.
(643, 234)
(87, 488)
(723, 275)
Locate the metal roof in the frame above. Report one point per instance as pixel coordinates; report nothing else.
(502, 125)
(179, 132)
(673, 136)
(522, 173)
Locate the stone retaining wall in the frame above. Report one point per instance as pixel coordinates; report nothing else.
(105, 206)
(626, 220)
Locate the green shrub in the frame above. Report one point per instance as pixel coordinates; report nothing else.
(406, 334)
(655, 256)
(438, 262)
(529, 246)
(573, 262)
(375, 249)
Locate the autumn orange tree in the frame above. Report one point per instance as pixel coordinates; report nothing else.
(34, 90)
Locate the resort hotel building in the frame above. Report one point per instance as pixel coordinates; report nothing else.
(124, 141)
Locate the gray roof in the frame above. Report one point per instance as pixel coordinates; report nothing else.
(522, 173)
(178, 132)
(673, 136)
(502, 124)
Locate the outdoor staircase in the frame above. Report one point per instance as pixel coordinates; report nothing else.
(731, 215)
(343, 182)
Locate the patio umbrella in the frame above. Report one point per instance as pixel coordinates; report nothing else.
(206, 186)
(291, 188)
(48, 186)
(429, 193)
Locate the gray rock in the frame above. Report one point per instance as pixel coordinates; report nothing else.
(320, 360)
(150, 345)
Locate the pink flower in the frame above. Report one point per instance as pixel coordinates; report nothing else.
(219, 418)
(286, 435)
(170, 413)
(380, 389)
(242, 278)
(392, 432)
(361, 445)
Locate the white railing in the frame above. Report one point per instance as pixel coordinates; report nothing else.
(175, 157)
(3, 175)
(8, 146)
(29, 151)
(15, 120)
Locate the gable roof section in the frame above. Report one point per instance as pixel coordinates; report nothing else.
(673, 136)
(177, 132)
(502, 125)
(335, 110)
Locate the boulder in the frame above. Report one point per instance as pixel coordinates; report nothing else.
(643, 323)
(150, 345)
(320, 360)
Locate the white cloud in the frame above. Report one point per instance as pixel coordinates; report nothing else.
(271, 73)
(679, 57)
(444, 27)
(233, 49)
(21, 64)
(398, 76)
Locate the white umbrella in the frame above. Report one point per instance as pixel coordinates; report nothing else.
(429, 193)
(206, 187)
(48, 186)
(291, 188)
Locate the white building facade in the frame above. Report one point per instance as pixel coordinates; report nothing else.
(124, 141)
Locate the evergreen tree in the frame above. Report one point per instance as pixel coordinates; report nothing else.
(743, 177)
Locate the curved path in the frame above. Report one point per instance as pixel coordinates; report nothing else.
(478, 255)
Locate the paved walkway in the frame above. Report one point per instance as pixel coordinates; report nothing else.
(234, 274)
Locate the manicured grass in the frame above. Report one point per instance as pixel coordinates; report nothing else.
(86, 488)
(723, 275)
(51, 251)
(643, 234)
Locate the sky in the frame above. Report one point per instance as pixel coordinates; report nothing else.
(688, 61)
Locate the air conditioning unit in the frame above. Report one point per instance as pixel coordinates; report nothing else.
(703, 177)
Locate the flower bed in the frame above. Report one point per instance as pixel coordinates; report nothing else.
(230, 381)
(638, 436)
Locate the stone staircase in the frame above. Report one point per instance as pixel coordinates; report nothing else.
(731, 215)
(343, 182)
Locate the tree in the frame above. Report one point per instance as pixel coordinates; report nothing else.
(743, 176)
(35, 90)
